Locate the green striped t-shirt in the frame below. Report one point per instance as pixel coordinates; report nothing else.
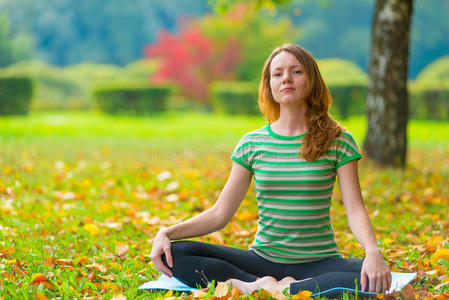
(293, 195)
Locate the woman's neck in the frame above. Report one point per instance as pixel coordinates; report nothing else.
(290, 122)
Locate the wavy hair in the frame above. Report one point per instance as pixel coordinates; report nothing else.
(323, 129)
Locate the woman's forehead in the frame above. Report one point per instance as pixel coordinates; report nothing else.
(284, 60)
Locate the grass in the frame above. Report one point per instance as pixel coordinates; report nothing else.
(80, 199)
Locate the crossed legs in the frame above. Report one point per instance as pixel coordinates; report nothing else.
(196, 264)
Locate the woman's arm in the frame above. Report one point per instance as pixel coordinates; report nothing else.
(210, 220)
(374, 267)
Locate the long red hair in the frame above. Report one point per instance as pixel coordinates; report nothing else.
(322, 128)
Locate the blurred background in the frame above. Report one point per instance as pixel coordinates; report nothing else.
(151, 56)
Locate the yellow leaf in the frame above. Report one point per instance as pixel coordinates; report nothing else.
(168, 294)
(388, 241)
(221, 289)
(91, 228)
(442, 253)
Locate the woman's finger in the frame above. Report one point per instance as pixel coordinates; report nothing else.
(387, 281)
(372, 284)
(168, 257)
(160, 266)
(363, 280)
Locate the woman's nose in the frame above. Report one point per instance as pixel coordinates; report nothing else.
(286, 77)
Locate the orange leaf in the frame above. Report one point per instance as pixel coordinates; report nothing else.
(7, 252)
(64, 261)
(121, 248)
(236, 293)
(302, 295)
(38, 278)
(40, 297)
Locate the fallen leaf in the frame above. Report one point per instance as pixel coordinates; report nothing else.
(7, 252)
(221, 290)
(121, 248)
(236, 293)
(302, 295)
(98, 267)
(92, 229)
(278, 295)
(198, 294)
(408, 292)
(62, 261)
(442, 253)
(39, 278)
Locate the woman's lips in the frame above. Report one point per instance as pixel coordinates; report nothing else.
(287, 89)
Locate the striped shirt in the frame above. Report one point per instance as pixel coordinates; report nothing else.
(293, 195)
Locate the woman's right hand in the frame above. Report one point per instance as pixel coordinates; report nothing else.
(161, 245)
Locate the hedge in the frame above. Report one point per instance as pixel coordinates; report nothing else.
(127, 98)
(234, 97)
(15, 95)
(348, 99)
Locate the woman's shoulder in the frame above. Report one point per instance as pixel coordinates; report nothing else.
(255, 134)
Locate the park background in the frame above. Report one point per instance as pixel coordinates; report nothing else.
(120, 119)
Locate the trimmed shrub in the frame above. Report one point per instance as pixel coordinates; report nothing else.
(429, 103)
(348, 85)
(132, 98)
(15, 95)
(430, 91)
(349, 99)
(234, 97)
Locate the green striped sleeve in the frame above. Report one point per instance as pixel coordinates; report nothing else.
(346, 149)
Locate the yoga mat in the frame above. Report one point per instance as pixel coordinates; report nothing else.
(398, 281)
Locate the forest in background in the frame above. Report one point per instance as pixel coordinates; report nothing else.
(67, 32)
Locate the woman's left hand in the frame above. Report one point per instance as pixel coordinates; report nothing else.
(376, 270)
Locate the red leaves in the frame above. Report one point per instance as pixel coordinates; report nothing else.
(193, 60)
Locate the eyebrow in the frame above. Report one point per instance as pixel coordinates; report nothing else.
(294, 66)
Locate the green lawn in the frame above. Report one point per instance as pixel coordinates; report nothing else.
(80, 199)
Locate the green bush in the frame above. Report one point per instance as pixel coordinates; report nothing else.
(349, 99)
(429, 102)
(348, 84)
(52, 89)
(429, 97)
(15, 95)
(131, 98)
(234, 97)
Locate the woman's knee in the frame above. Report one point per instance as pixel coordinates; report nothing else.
(178, 249)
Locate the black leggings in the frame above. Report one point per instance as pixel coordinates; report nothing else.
(196, 263)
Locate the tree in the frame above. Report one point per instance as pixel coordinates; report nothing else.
(11, 49)
(387, 101)
(193, 60)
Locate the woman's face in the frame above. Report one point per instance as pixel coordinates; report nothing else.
(288, 80)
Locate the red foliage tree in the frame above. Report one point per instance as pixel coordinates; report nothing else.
(193, 60)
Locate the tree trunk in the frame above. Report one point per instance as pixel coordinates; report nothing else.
(387, 101)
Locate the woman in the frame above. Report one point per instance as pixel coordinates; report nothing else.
(295, 160)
